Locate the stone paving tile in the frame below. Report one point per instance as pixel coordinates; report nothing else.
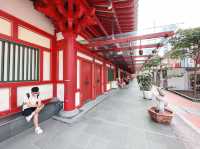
(98, 143)
(161, 140)
(120, 122)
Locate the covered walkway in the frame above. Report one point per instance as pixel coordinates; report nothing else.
(120, 122)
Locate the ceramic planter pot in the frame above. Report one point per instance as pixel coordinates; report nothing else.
(161, 117)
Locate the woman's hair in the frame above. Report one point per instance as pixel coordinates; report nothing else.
(35, 89)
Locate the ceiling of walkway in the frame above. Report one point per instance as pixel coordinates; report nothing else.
(113, 35)
(116, 16)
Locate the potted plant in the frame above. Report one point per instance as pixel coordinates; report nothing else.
(145, 84)
(160, 113)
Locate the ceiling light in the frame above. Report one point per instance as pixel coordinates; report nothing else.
(110, 6)
(119, 53)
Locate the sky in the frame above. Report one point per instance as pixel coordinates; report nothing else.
(185, 13)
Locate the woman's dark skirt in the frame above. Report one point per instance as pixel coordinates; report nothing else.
(28, 111)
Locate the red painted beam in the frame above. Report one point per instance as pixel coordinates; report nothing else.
(105, 10)
(93, 31)
(125, 7)
(110, 19)
(127, 28)
(136, 67)
(132, 47)
(126, 3)
(86, 35)
(137, 63)
(130, 57)
(101, 26)
(121, 11)
(126, 25)
(100, 2)
(137, 60)
(125, 14)
(126, 21)
(117, 20)
(99, 13)
(130, 38)
(110, 16)
(127, 17)
(97, 20)
(132, 61)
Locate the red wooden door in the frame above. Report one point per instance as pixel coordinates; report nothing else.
(97, 80)
(86, 81)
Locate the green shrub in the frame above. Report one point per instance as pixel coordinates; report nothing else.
(145, 81)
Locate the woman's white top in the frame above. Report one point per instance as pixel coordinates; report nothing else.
(32, 99)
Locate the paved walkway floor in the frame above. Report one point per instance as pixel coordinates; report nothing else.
(119, 122)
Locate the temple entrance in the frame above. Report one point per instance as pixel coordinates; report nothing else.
(97, 80)
(86, 81)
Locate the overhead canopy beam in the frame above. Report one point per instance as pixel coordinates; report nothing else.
(135, 60)
(130, 57)
(115, 16)
(101, 26)
(132, 48)
(130, 38)
(110, 16)
(97, 20)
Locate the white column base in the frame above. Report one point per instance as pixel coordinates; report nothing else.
(69, 114)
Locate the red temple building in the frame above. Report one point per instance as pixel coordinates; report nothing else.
(76, 51)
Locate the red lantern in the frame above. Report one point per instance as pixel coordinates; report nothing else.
(140, 52)
(154, 51)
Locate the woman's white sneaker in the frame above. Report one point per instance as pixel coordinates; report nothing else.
(38, 130)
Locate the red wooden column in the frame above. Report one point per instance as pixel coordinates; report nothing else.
(54, 64)
(105, 77)
(69, 70)
(69, 65)
(102, 79)
(13, 99)
(93, 79)
(13, 90)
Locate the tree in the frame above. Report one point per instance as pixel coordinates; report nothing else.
(154, 62)
(186, 43)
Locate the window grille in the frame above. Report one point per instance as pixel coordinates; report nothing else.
(18, 62)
